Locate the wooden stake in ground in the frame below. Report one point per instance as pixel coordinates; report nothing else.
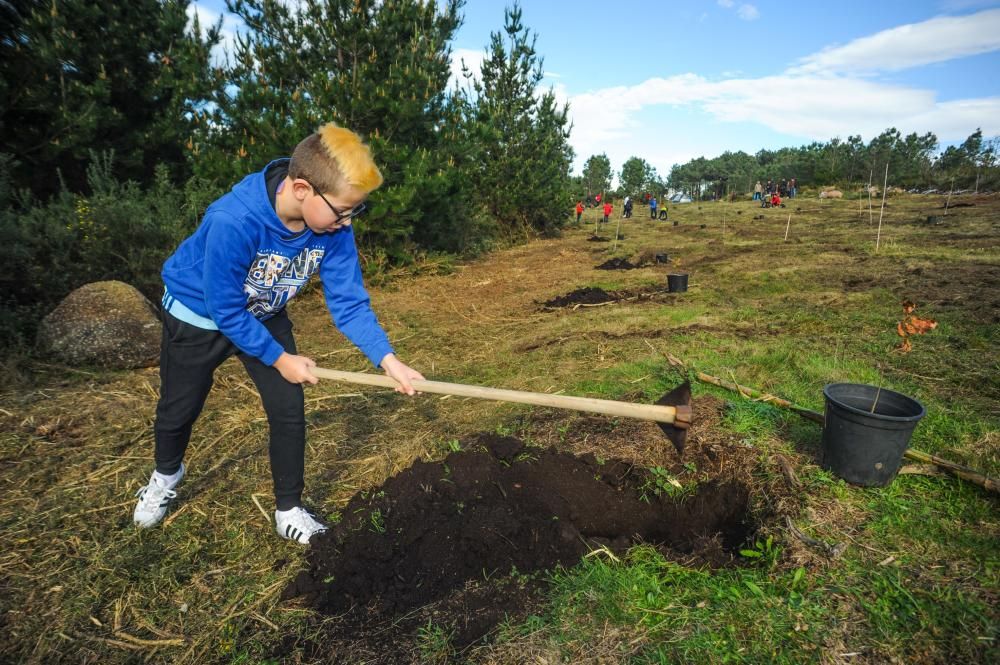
(946, 203)
(871, 173)
(617, 233)
(882, 209)
(788, 225)
(724, 219)
(861, 211)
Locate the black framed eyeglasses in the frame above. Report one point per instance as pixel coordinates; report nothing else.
(339, 217)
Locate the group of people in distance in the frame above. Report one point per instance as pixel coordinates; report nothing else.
(607, 208)
(770, 194)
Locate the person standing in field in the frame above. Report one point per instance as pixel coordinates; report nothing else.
(791, 188)
(579, 211)
(607, 211)
(226, 290)
(652, 207)
(758, 191)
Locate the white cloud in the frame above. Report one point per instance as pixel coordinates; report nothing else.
(935, 40)
(813, 107)
(746, 11)
(823, 96)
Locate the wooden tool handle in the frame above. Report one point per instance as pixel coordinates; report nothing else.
(662, 414)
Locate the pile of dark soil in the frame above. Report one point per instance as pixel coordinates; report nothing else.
(496, 507)
(617, 264)
(589, 295)
(597, 238)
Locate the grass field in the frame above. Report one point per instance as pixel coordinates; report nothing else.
(917, 580)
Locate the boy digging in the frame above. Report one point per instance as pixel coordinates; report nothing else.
(226, 288)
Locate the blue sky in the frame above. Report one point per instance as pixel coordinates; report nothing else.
(670, 81)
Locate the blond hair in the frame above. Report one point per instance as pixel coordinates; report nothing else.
(333, 158)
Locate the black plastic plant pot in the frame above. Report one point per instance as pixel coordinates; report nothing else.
(662, 258)
(866, 432)
(676, 223)
(677, 282)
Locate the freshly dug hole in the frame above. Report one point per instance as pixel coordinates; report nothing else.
(617, 264)
(497, 507)
(590, 295)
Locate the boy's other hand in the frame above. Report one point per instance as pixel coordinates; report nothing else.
(296, 369)
(396, 369)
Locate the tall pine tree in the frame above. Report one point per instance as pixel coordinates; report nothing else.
(379, 68)
(82, 77)
(524, 138)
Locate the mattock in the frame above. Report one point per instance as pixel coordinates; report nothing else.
(672, 412)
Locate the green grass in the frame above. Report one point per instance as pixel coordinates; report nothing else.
(693, 615)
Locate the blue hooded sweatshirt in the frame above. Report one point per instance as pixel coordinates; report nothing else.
(242, 266)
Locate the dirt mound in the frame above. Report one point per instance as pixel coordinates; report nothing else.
(589, 295)
(497, 507)
(597, 238)
(617, 264)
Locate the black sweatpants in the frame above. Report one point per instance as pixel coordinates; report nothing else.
(188, 358)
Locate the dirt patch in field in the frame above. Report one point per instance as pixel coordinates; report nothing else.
(450, 533)
(436, 545)
(592, 296)
(618, 264)
(498, 506)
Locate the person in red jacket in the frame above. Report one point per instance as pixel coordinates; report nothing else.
(775, 200)
(597, 199)
(579, 211)
(607, 212)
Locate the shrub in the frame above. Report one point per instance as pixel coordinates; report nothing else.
(119, 231)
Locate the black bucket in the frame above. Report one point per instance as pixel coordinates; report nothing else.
(676, 223)
(862, 445)
(677, 282)
(663, 258)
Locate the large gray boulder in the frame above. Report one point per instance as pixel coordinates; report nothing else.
(107, 324)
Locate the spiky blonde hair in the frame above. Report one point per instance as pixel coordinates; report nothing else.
(335, 157)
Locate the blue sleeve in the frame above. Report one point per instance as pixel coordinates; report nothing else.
(228, 255)
(347, 299)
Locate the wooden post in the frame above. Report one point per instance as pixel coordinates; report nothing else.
(788, 224)
(617, 232)
(882, 209)
(870, 174)
(946, 203)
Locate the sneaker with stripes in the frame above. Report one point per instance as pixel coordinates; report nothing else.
(297, 524)
(155, 498)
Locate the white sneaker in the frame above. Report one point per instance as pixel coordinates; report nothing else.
(154, 499)
(297, 524)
